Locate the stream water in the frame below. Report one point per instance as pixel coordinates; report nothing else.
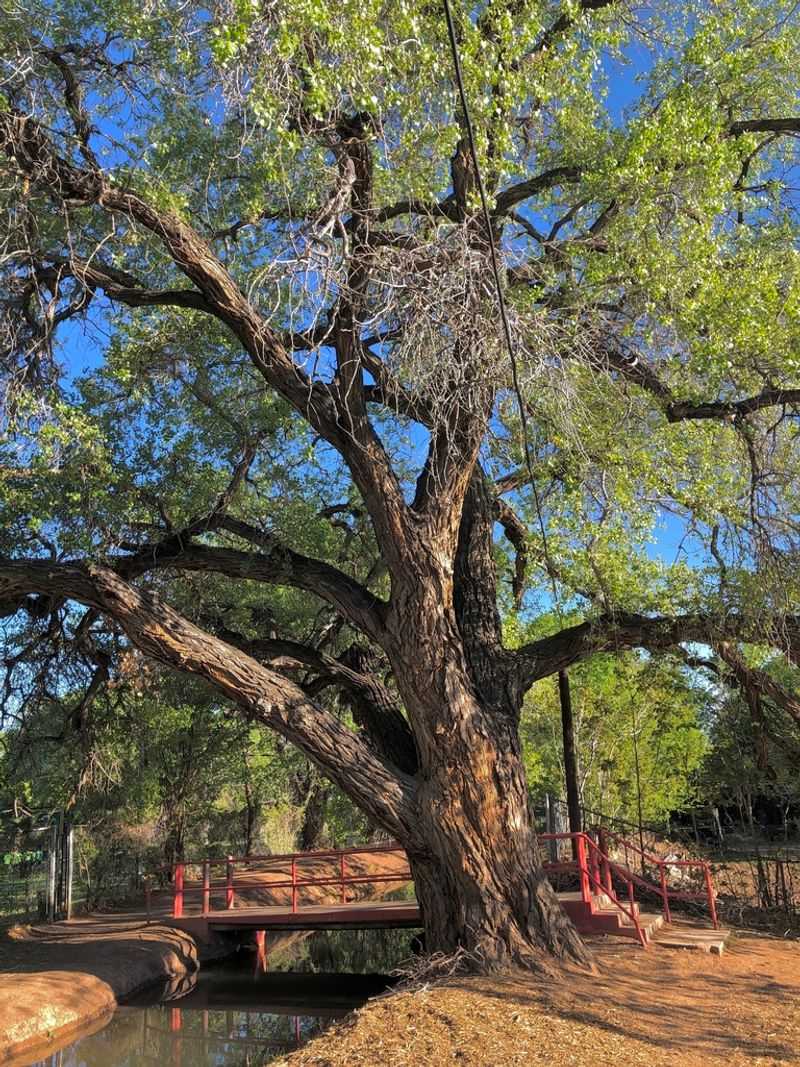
(229, 1014)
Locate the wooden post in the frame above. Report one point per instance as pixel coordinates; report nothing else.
(570, 759)
(294, 885)
(602, 841)
(148, 904)
(229, 882)
(594, 864)
(206, 887)
(550, 827)
(341, 872)
(177, 901)
(712, 904)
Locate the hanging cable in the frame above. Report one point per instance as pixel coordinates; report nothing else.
(500, 297)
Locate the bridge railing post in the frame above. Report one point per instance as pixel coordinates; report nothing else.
(229, 882)
(148, 903)
(294, 885)
(206, 887)
(594, 860)
(177, 899)
(580, 849)
(343, 896)
(712, 903)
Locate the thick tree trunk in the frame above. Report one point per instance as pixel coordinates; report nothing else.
(472, 848)
(314, 816)
(477, 868)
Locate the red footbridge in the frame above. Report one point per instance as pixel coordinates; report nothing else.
(371, 887)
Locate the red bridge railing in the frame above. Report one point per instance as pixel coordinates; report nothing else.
(662, 865)
(341, 878)
(591, 861)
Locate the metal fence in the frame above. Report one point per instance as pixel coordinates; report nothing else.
(25, 858)
(759, 887)
(51, 870)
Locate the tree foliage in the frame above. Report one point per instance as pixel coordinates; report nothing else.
(639, 737)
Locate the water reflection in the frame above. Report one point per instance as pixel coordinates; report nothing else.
(220, 1018)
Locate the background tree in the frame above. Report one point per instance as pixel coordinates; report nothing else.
(627, 711)
(249, 209)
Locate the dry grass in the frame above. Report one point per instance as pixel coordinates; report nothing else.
(656, 1008)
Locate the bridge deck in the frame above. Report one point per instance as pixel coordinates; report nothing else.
(356, 915)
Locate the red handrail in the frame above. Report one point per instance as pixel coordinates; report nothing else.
(661, 864)
(209, 885)
(353, 850)
(588, 876)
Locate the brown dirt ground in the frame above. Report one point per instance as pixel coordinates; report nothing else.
(661, 1007)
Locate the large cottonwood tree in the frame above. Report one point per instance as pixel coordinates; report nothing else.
(265, 216)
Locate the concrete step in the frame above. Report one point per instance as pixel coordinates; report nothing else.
(613, 921)
(693, 936)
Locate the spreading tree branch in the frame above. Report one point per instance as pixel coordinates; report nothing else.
(623, 631)
(25, 142)
(265, 696)
(275, 564)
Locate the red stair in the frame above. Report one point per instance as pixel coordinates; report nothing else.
(595, 907)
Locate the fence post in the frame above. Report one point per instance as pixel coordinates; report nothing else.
(294, 885)
(712, 904)
(206, 887)
(148, 907)
(177, 901)
(69, 868)
(51, 875)
(229, 882)
(341, 871)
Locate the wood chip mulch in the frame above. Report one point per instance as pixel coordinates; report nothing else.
(659, 1007)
